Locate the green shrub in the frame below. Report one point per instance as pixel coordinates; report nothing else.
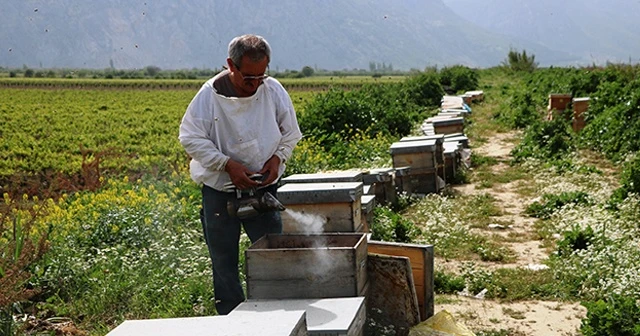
(629, 181)
(552, 202)
(459, 78)
(388, 225)
(613, 120)
(444, 283)
(574, 240)
(545, 141)
(519, 111)
(616, 316)
(423, 89)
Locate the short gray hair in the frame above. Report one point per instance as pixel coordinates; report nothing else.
(254, 46)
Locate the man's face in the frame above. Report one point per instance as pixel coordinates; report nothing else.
(248, 75)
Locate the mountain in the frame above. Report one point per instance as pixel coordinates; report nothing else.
(595, 31)
(330, 34)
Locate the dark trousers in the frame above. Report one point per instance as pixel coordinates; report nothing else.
(222, 234)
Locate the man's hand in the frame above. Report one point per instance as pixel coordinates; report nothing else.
(270, 170)
(239, 175)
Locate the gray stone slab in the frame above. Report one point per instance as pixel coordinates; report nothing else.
(332, 316)
(290, 322)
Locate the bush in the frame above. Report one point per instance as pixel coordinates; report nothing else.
(424, 89)
(552, 202)
(388, 225)
(444, 283)
(459, 78)
(545, 140)
(574, 240)
(519, 111)
(617, 316)
(613, 120)
(629, 181)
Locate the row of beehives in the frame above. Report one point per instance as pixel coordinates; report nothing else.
(315, 278)
(558, 103)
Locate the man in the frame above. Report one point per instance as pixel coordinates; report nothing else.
(240, 123)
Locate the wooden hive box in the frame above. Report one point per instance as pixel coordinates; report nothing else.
(402, 180)
(337, 176)
(476, 95)
(295, 266)
(580, 105)
(321, 207)
(289, 323)
(558, 102)
(451, 159)
(325, 317)
(447, 125)
(382, 184)
(368, 204)
(421, 258)
(420, 156)
(458, 138)
(439, 139)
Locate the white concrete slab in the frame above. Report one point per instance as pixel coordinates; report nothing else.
(333, 316)
(277, 323)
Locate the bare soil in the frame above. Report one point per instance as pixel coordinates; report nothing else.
(536, 318)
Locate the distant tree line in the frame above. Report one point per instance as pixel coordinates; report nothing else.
(155, 72)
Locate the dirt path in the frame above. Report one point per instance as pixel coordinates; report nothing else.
(535, 318)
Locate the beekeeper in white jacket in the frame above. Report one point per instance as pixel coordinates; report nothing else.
(240, 123)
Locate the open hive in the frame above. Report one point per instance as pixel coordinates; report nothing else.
(293, 266)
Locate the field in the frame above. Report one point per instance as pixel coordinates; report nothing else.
(100, 219)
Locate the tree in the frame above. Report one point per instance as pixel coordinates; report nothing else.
(152, 70)
(307, 71)
(517, 61)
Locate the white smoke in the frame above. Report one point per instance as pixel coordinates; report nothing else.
(307, 223)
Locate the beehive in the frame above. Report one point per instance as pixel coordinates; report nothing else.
(402, 180)
(438, 138)
(325, 317)
(447, 125)
(368, 204)
(382, 184)
(335, 205)
(296, 266)
(451, 159)
(558, 102)
(580, 105)
(420, 157)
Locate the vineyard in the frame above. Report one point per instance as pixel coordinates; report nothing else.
(99, 220)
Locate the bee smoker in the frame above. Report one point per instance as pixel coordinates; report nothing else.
(253, 202)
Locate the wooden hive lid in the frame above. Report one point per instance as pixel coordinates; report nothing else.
(316, 193)
(408, 147)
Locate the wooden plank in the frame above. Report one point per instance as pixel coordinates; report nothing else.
(421, 260)
(392, 299)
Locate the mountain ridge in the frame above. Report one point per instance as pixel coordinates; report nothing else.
(331, 35)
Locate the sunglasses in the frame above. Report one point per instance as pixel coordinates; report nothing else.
(248, 79)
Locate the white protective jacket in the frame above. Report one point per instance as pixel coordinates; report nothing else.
(249, 130)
